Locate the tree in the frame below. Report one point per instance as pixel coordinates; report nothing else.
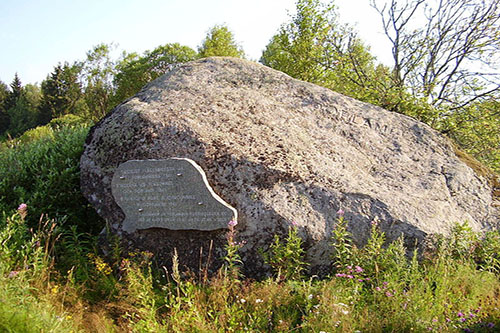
(134, 71)
(61, 92)
(97, 73)
(4, 116)
(452, 59)
(23, 115)
(220, 42)
(15, 93)
(314, 47)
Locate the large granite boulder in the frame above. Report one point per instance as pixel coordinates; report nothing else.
(281, 150)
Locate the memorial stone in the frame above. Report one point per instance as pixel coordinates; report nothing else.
(171, 194)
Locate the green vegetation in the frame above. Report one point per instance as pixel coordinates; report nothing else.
(52, 278)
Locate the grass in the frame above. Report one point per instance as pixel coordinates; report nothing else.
(52, 278)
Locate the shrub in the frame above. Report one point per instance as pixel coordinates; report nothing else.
(43, 172)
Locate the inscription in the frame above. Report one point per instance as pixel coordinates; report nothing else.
(172, 194)
(348, 117)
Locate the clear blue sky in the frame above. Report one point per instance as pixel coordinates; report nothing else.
(35, 35)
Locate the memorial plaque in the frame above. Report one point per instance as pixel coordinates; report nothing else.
(172, 194)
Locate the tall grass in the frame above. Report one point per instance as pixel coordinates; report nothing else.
(52, 278)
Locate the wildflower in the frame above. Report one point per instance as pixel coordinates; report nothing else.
(295, 224)
(232, 223)
(463, 320)
(340, 275)
(345, 312)
(258, 300)
(448, 320)
(490, 325)
(471, 315)
(310, 296)
(340, 212)
(378, 288)
(349, 276)
(358, 269)
(360, 280)
(13, 274)
(23, 210)
(375, 222)
(389, 294)
(460, 314)
(242, 300)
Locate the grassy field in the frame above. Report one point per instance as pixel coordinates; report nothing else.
(52, 278)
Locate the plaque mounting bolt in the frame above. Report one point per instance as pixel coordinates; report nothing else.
(140, 209)
(200, 203)
(179, 174)
(122, 177)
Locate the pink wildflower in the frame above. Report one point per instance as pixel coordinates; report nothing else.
(389, 294)
(13, 274)
(340, 212)
(378, 289)
(358, 269)
(232, 223)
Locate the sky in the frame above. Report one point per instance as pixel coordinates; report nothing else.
(36, 35)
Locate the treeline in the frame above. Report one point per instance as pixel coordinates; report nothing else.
(445, 70)
(92, 87)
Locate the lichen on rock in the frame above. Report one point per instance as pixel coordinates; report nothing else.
(281, 150)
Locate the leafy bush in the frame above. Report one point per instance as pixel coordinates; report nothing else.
(41, 169)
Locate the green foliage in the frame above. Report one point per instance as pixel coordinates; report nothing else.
(4, 116)
(96, 75)
(61, 92)
(287, 257)
(133, 71)
(220, 42)
(344, 251)
(44, 173)
(232, 259)
(475, 129)
(23, 115)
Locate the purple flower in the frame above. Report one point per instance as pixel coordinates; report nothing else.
(360, 280)
(340, 212)
(463, 320)
(378, 289)
(232, 223)
(294, 224)
(358, 269)
(349, 276)
(340, 275)
(389, 294)
(490, 325)
(22, 207)
(13, 274)
(460, 314)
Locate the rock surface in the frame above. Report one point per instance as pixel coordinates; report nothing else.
(281, 150)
